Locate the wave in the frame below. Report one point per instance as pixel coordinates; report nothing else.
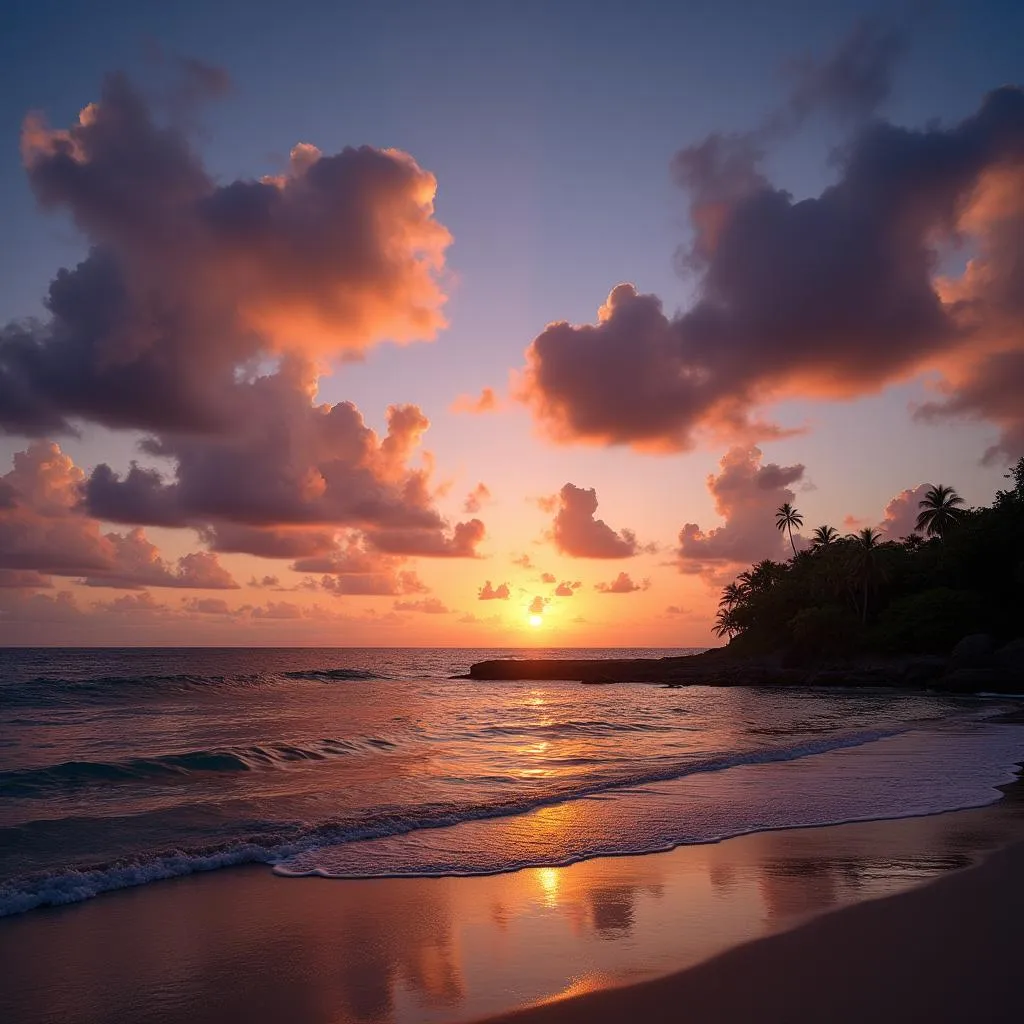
(57, 690)
(275, 844)
(29, 782)
(333, 674)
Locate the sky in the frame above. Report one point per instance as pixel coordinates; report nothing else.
(488, 324)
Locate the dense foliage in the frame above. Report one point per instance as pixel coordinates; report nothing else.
(963, 573)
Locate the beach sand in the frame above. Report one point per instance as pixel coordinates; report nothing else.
(819, 924)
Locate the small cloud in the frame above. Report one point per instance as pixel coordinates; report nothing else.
(675, 609)
(547, 577)
(523, 561)
(207, 606)
(567, 589)
(622, 584)
(577, 533)
(476, 499)
(537, 605)
(265, 583)
(428, 605)
(490, 593)
(486, 402)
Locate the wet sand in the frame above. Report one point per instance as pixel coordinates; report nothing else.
(245, 945)
(948, 952)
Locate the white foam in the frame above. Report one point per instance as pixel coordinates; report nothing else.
(915, 773)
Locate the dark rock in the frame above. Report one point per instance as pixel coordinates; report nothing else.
(973, 680)
(974, 651)
(1010, 658)
(922, 671)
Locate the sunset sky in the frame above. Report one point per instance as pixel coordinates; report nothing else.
(488, 324)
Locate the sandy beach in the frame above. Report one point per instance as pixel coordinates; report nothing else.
(797, 925)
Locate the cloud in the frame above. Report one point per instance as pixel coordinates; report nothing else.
(900, 518)
(523, 561)
(675, 609)
(207, 606)
(278, 610)
(430, 543)
(537, 605)
(204, 315)
(577, 533)
(44, 530)
(567, 588)
(746, 494)
(490, 593)
(622, 584)
(547, 577)
(833, 296)
(853, 80)
(486, 402)
(476, 499)
(403, 582)
(188, 279)
(428, 605)
(265, 583)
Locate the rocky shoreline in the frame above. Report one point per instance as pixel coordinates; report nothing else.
(976, 665)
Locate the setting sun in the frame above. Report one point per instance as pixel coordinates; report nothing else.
(536, 620)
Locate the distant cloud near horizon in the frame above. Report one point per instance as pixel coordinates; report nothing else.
(44, 531)
(491, 593)
(829, 297)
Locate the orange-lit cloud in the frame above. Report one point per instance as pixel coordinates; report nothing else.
(567, 588)
(576, 532)
(486, 401)
(44, 531)
(427, 605)
(204, 315)
(622, 584)
(774, 319)
(491, 593)
(476, 499)
(746, 492)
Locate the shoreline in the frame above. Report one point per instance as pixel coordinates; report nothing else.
(245, 944)
(946, 951)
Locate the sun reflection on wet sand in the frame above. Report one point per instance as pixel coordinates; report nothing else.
(245, 945)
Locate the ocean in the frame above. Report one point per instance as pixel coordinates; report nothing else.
(124, 767)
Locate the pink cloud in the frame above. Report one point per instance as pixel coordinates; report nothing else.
(487, 401)
(746, 492)
(576, 532)
(427, 605)
(476, 499)
(491, 593)
(622, 584)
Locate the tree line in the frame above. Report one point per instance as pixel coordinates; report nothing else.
(960, 571)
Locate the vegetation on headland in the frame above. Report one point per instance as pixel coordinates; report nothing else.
(961, 572)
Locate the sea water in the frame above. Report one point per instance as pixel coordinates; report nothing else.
(120, 768)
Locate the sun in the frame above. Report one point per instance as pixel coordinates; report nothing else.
(536, 620)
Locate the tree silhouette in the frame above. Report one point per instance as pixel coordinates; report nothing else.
(940, 510)
(866, 563)
(786, 517)
(823, 536)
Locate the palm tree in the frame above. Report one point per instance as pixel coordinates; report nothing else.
(823, 536)
(725, 623)
(786, 517)
(867, 563)
(731, 596)
(939, 510)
